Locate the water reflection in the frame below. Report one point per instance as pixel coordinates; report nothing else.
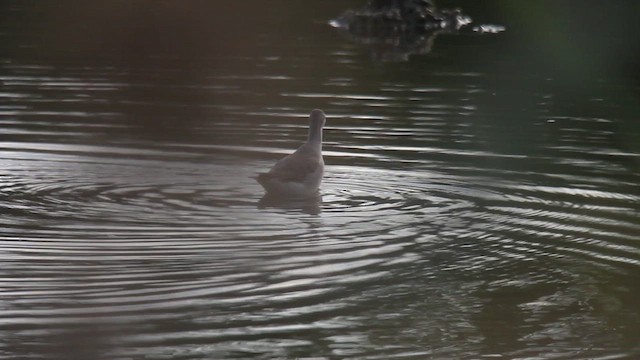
(311, 206)
(395, 47)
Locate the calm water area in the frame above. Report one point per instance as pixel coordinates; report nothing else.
(481, 198)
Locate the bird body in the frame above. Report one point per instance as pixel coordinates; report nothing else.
(300, 173)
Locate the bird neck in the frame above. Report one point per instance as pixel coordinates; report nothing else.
(315, 134)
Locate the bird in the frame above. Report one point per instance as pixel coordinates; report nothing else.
(299, 175)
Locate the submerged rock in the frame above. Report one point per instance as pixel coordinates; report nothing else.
(396, 29)
(488, 29)
(380, 17)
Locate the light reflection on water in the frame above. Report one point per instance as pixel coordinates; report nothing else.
(131, 220)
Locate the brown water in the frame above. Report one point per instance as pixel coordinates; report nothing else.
(479, 201)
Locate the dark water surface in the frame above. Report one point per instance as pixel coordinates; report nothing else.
(481, 200)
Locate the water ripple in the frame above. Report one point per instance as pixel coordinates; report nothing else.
(425, 233)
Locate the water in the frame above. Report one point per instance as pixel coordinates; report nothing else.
(479, 201)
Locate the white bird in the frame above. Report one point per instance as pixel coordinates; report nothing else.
(299, 174)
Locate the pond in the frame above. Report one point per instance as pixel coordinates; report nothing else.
(481, 197)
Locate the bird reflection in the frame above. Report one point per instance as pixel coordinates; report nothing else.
(311, 206)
